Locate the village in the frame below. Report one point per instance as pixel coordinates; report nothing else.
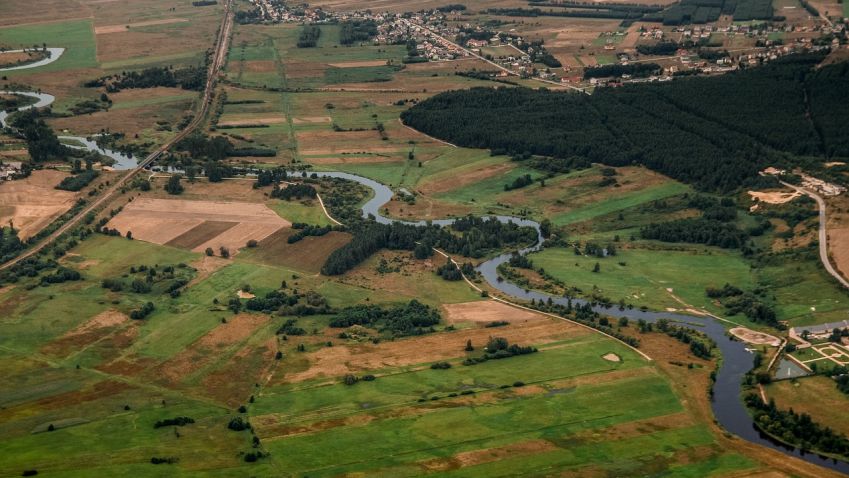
(451, 33)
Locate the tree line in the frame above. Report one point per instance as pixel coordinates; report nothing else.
(716, 133)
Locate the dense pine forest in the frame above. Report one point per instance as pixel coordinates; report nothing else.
(713, 132)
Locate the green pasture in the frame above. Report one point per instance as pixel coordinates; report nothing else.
(618, 202)
(641, 276)
(76, 36)
(394, 444)
(295, 211)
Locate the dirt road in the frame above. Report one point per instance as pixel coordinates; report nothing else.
(221, 47)
(823, 233)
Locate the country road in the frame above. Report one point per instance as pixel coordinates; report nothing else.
(823, 233)
(218, 58)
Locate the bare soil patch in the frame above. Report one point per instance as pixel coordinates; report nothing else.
(126, 27)
(200, 234)
(838, 241)
(259, 66)
(774, 197)
(97, 328)
(611, 357)
(486, 312)
(32, 203)
(161, 221)
(308, 254)
(754, 337)
(253, 119)
(312, 119)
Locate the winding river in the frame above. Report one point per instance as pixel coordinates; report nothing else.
(727, 406)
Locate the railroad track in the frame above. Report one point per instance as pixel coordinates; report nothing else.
(219, 56)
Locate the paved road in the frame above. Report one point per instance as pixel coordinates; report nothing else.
(823, 233)
(218, 59)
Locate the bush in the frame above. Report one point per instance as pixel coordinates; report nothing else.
(176, 421)
(79, 181)
(440, 366)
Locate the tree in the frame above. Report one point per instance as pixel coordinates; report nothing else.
(252, 243)
(130, 235)
(209, 252)
(224, 251)
(173, 185)
(597, 267)
(469, 347)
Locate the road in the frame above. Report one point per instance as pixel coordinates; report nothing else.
(823, 233)
(219, 56)
(510, 72)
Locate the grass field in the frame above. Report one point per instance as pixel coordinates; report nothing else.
(817, 396)
(646, 275)
(77, 37)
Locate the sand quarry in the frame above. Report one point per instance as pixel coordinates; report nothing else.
(196, 225)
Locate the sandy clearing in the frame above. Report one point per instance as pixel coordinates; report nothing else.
(126, 27)
(834, 163)
(162, 220)
(32, 203)
(525, 328)
(357, 64)
(774, 197)
(244, 295)
(611, 357)
(487, 311)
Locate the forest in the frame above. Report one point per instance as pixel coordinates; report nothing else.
(715, 133)
(794, 428)
(356, 31)
(476, 237)
(190, 78)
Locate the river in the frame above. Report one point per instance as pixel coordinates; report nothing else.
(728, 408)
(736, 359)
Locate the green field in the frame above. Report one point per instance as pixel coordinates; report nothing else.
(618, 202)
(646, 275)
(77, 37)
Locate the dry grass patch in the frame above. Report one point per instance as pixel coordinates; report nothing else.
(32, 203)
(357, 64)
(524, 327)
(207, 349)
(126, 27)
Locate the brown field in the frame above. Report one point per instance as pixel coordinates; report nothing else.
(161, 221)
(487, 311)
(355, 64)
(455, 181)
(126, 27)
(133, 111)
(32, 203)
(7, 58)
(525, 327)
(308, 254)
(207, 348)
(817, 396)
(249, 119)
(41, 11)
(200, 233)
(839, 249)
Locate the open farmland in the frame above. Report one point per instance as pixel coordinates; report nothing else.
(32, 203)
(197, 225)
